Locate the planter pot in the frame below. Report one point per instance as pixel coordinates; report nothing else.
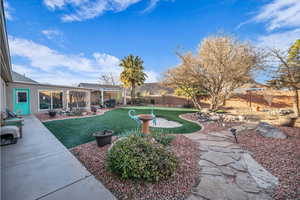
(103, 137)
(52, 113)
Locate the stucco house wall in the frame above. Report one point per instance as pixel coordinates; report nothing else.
(5, 65)
(34, 94)
(3, 95)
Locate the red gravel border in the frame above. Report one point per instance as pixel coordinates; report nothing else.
(176, 187)
(281, 157)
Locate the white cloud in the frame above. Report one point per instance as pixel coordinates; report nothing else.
(86, 11)
(280, 13)
(153, 4)
(51, 33)
(8, 10)
(89, 9)
(282, 40)
(152, 76)
(46, 65)
(21, 69)
(44, 59)
(53, 77)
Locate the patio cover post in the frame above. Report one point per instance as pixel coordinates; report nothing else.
(124, 96)
(102, 96)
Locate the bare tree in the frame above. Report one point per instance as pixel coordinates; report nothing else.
(181, 79)
(288, 72)
(108, 79)
(221, 65)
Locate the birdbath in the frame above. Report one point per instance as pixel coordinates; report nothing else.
(145, 118)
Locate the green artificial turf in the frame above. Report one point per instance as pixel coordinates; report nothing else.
(73, 132)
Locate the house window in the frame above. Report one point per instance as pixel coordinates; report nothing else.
(50, 99)
(22, 97)
(77, 99)
(57, 99)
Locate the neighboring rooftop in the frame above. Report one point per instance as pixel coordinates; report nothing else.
(99, 86)
(21, 78)
(252, 86)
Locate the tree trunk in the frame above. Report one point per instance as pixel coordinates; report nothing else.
(214, 103)
(196, 103)
(224, 101)
(296, 102)
(133, 94)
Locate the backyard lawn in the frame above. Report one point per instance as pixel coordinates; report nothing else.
(74, 132)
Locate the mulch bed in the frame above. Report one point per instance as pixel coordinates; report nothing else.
(176, 187)
(281, 157)
(44, 117)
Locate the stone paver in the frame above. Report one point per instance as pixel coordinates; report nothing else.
(262, 177)
(217, 158)
(40, 167)
(227, 172)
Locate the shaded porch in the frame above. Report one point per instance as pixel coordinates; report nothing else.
(100, 97)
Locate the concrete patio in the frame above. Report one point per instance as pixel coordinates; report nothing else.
(40, 167)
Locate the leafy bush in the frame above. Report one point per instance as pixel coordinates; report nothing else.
(141, 158)
(162, 137)
(126, 133)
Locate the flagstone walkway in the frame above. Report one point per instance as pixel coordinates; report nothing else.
(229, 172)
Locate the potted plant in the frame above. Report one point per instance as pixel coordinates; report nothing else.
(103, 137)
(52, 113)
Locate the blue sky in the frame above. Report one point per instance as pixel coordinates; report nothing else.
(72, 41)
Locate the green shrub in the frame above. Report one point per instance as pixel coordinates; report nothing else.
(141, 158)
(126, 133)
(162, 137)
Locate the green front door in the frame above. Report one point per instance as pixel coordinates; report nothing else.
(21, 98)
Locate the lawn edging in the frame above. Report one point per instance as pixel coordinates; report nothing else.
(192, 121)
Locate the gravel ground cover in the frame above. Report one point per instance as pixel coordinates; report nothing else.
(176, 187)
(281, 157)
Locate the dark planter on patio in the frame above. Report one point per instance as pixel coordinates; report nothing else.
(103, 137)
(52, 113)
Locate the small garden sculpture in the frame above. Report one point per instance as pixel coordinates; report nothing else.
(154, 117)
(145, 118)
(134, 117)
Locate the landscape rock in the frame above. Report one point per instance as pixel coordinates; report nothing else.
(216, 188)
(240, 166)
(283, 112)
(246, 183)
(211, 171)
(268, 130)
(227, 171)
(262, 177)
(204, 163)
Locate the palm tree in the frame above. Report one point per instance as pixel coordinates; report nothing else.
(133, 73)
